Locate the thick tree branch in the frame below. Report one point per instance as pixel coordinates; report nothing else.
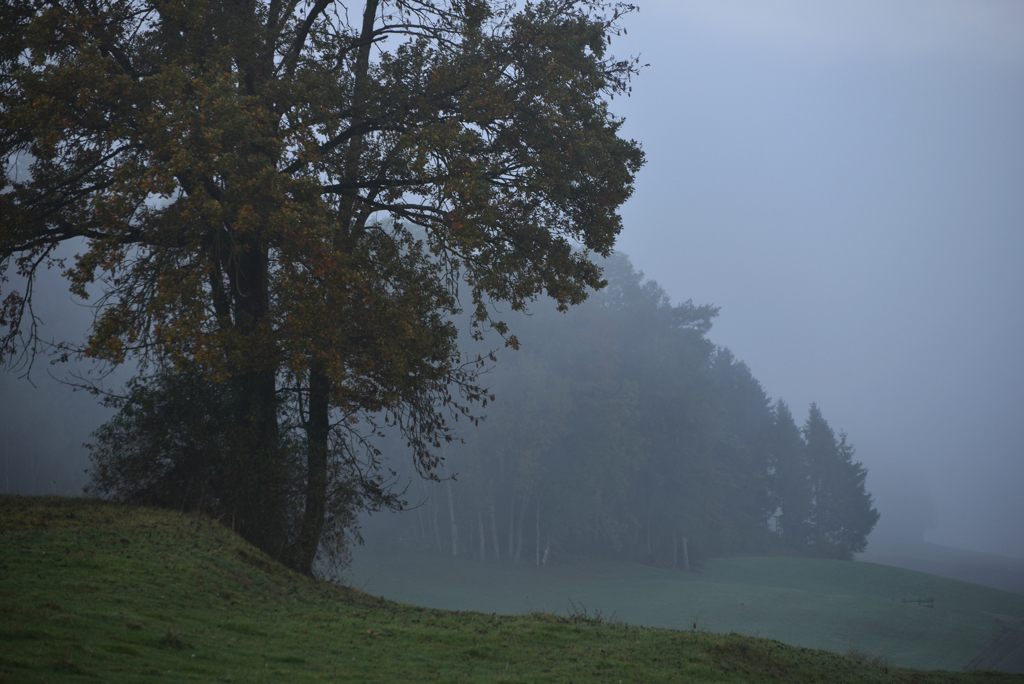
(291, 59)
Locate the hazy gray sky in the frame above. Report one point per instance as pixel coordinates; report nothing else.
(846, 180)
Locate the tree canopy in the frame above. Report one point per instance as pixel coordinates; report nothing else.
(281, 198)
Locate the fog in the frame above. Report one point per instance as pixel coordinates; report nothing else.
(45, 415)
(845, 182)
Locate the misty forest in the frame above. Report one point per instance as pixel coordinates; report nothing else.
(620, 430)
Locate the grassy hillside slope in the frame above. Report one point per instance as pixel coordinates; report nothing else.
(986, 569)
(94, 592)
(835, 605)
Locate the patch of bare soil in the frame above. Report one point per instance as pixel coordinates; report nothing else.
(1006, 652)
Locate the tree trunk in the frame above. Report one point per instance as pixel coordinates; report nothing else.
(253, 493)
(538, 531)
(483, 537)
(686, 556)
(547, 549)
(512, 527)
(494, 532)
(317, 433)
(451, 512)
(437, 528)
(519, 536)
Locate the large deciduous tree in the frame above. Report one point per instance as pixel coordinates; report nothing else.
(249, 178)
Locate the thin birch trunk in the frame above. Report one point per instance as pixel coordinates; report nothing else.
(511, 527)
(538, 531)
(519, 535)
(437, 528)
(451, 512)
(494, 532)
(483, 538)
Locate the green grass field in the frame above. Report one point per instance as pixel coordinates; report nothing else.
(95, 592)
(834, 605)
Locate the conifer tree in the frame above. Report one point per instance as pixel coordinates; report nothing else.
(842, 514)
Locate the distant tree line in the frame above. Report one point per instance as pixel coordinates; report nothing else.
(621, 430)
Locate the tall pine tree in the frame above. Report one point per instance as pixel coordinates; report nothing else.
(842, 514)
(789, 479)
